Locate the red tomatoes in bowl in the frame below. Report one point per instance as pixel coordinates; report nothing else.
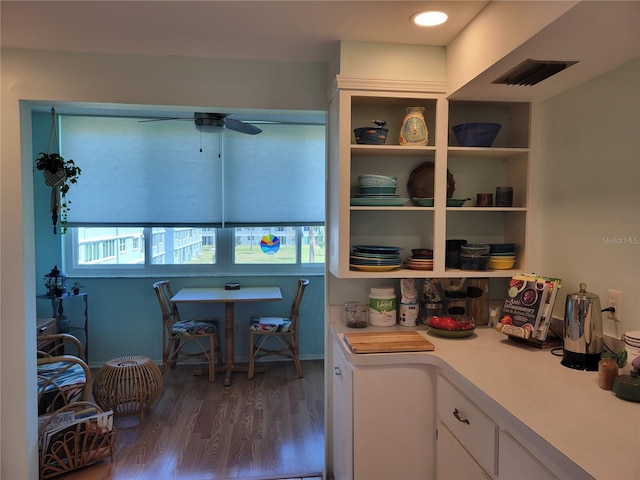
(451, 323)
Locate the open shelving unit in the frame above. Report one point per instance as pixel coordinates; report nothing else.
(475, 170)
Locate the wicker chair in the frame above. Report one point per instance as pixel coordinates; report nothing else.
(62, 379)
(177, 333)
(285, 329)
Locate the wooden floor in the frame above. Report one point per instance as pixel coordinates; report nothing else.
(270, 427)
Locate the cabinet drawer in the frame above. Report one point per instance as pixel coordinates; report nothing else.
(45, 326)
(473, 429)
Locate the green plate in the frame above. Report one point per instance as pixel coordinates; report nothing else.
(450, 333)
(379, 202)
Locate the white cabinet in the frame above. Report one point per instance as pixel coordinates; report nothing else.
(383, 420)
(472, 444)
(342, 418)
(474, 170)
(515, 461)
(453, 462)
(476, 432)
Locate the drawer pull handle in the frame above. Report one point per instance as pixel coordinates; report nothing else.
(456, 414)
(337, 371)
(42, 329)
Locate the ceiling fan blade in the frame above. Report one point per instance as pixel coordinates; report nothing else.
(241, 127)
(162, 119)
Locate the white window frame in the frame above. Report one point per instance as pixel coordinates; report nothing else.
(223, 267)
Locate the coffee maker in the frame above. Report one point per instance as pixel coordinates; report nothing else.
(582, 339)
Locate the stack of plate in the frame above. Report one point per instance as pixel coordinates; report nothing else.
(502, 256)
(377, 190)
(375, 258)
(632, 339)
(422, 259)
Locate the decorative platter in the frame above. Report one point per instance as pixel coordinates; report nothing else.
(420, 182)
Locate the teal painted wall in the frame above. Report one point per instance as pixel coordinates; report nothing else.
(124, 316)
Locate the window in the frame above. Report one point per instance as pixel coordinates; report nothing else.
(161, 197)
(193, 250)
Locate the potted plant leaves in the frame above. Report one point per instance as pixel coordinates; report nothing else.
(59, 174)
(76, 287)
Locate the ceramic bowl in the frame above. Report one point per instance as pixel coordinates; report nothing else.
(479, 134)
(456, 202)
(377, 181)
(475, 248)
(371, 135)
(462, 326)
(474, 263)
(501, 264)
(422, 253)
(423, 202)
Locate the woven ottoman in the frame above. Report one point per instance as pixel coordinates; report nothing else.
(127, 385)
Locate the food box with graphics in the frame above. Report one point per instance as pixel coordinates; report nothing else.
(524, 305)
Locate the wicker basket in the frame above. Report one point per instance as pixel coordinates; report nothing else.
(55, 179)
(77, 446)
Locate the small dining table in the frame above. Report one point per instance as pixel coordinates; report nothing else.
(229, 298)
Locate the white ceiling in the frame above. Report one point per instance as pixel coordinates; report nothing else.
(601, 35)
(301, 31)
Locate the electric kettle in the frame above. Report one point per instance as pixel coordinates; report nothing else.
(582, 339)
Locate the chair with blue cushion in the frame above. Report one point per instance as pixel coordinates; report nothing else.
(284, 329)
(177, 333)
(62, 378)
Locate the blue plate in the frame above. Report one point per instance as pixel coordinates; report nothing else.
(377, 249)
(376, 256)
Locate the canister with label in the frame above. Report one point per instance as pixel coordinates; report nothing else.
(382, 307)
(408, 316)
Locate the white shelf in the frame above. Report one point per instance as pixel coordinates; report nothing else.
(474, 169)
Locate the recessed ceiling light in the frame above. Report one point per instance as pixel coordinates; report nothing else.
(429, 19)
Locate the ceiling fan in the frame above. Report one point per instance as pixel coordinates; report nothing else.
(214, 122)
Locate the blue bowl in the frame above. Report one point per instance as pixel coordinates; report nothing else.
(479, 134)
(371, 136)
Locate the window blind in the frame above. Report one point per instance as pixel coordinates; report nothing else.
(153, 173)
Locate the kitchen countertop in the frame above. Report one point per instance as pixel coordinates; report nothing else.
(593, 428)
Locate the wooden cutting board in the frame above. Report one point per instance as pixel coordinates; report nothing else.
(387, 342)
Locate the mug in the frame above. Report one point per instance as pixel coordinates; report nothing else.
(504, 196)
(484, 200)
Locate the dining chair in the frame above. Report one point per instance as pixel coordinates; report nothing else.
(177, 333)
(285, 329)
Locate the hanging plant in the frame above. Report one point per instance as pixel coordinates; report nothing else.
(59, 174)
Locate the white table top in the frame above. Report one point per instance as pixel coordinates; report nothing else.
(216, 294)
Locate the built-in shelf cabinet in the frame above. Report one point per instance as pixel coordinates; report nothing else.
(474, 170)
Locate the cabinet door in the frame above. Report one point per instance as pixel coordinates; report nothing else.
(514, 461)
(453, 462)
(342, 420)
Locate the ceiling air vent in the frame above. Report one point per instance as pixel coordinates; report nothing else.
(531, 72)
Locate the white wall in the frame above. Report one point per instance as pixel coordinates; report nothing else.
(590, 191)
(59, 77)
(495, 32)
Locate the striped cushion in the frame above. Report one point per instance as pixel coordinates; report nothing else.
(53, 382)
(73, 375)
(269, 324)
(194, 327)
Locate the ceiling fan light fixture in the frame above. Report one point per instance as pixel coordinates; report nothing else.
(430, 18)
(209, 124)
